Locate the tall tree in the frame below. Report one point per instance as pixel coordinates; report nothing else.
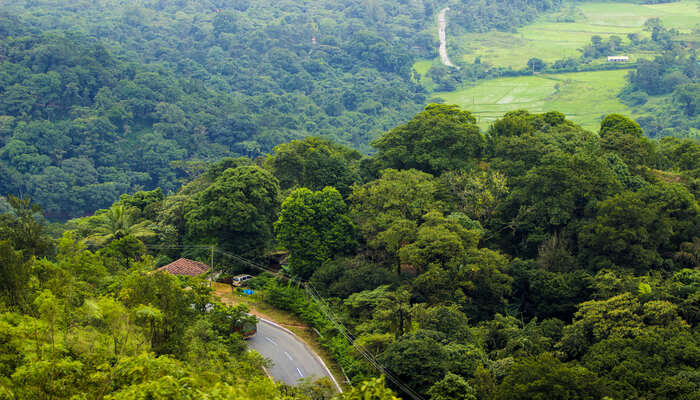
(236, 211)
(14, 275)
(625, 137)
(24, 227)
(439, 139)
(547, 377)
(315, 228)
(388, 210)
(314, 163)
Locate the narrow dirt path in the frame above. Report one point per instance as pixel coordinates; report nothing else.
(442, 26)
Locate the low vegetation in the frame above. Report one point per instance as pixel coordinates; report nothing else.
(585, 97)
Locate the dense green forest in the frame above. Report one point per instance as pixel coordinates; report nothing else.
(532, 260)
(82, 324)
(435, 259)
(99, 98)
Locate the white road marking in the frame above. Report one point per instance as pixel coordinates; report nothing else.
(270, 340)
(288, 356)
(300, 374)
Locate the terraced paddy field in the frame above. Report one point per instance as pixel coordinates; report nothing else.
(550, 40)
(585, 97)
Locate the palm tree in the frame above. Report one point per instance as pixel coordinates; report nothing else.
(116, 223)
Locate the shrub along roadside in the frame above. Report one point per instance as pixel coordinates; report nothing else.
(290, 296)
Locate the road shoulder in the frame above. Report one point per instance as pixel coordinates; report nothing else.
(287, 322)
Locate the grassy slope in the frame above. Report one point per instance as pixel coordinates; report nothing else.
(583, 96)
(422, 68)
(550, 40)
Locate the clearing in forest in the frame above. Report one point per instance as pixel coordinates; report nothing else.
(583, 96)
(550, 40)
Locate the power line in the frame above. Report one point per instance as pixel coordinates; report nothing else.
(323, 306)
(325, 309)
(226, 254)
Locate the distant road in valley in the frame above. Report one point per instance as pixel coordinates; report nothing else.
(442, 26)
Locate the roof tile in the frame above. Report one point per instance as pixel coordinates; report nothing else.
(185, 266)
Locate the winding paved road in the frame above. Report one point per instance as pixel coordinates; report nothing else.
(292, 359)
(442, 27)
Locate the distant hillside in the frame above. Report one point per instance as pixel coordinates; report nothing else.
(557, 59)
(99, 98)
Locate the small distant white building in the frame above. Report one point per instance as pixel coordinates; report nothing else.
(618, 58)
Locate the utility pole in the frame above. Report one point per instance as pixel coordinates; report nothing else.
(211, 264)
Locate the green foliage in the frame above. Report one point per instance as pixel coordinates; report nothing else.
(553, 195)
(343, 277)
(14, 275)
(621, 316)
(86, 120)
(74, 343)
(163, 307)
(633, 228)
(544, 293)
(448, 320)
(236, 211)
(671, 78)
(439, 242)
(314, 163)
(402, 357)
(229, 320)
(388, 209)
(438, 139)
(616, 123)
(544, 261)
(496, 14)
(122, 253)
(624, 136)
(476, 193)
(147, 202)
(452, 387)
(519, 140)
(372, 389)
(547, 377)
(315, 228)
(24, 227)
(114, 224)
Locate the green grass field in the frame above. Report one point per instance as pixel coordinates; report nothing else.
(550, 40)
(584, 96)
(422, 68)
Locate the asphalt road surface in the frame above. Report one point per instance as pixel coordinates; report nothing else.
(292, 359)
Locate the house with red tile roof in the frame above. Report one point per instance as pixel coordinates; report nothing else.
(186, 267)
